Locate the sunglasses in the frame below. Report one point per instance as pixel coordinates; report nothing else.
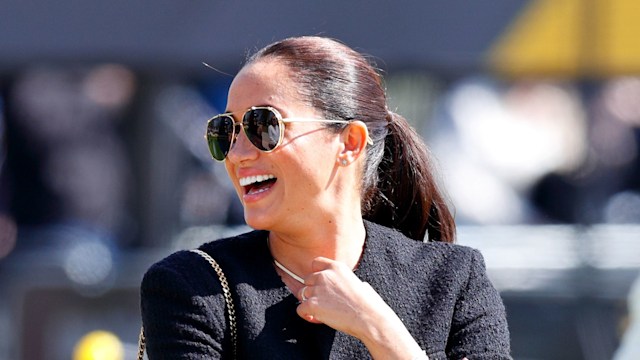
(263, 126)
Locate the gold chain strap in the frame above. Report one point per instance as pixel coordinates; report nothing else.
(226, 292)
(141, 344)
(231, 310)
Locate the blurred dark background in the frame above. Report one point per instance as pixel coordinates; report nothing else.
(532, 109)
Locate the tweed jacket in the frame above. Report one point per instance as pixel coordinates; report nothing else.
(440, 291)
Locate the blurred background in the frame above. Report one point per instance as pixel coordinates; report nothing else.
(532, 108)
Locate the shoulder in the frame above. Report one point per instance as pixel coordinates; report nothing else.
(236, 246)
(441, 266)
(172, 272)
(186, 270)
(181, 295)
(392, 243)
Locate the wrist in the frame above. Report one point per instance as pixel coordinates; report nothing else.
(385, 335)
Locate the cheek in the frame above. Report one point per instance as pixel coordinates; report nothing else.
(314, 169)
(229, 168)
(309, 160)
(230, 174)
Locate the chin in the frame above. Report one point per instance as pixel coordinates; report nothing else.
(257, 221)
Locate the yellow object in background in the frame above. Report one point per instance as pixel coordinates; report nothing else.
(571, 38)
(99, 345)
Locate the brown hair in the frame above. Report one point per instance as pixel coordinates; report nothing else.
(398, 186)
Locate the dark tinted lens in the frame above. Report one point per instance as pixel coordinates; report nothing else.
(262, 128)
(219, 136)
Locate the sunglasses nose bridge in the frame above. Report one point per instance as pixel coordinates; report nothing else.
(237, 129)
(241, 147)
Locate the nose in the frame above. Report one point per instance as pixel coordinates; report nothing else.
(242, 149)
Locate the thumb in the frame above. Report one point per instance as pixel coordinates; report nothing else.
(322, 263)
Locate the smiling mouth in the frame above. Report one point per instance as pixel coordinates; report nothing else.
(257, 184)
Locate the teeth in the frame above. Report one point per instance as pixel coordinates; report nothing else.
(255, 179)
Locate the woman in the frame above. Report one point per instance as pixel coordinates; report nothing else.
(341, 196)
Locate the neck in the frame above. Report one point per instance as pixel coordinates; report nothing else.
(341, 242)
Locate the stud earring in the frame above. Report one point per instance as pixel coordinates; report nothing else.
(344, 162)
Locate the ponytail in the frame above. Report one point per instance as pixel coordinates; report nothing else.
(406, 196)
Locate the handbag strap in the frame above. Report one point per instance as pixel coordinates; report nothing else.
(226, 293)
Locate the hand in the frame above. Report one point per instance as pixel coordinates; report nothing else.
(334, 295)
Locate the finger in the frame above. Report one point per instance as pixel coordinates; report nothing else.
(322, 263)
(304, 311)
(302, 295)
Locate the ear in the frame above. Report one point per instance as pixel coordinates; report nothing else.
(354, 139)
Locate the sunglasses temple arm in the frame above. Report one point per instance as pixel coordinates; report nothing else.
(369, 140)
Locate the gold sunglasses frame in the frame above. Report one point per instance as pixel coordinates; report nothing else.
(281, 122)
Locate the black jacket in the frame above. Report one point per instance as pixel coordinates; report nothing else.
(439, 290)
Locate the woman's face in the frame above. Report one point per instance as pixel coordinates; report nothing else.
(294, 185)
